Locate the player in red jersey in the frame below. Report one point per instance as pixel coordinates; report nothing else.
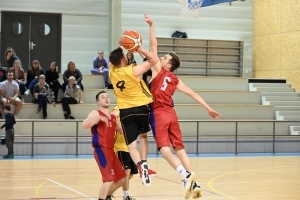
(103, 126)
(163, 118)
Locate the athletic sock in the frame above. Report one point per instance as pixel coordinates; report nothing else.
(183, 173)
(126, 194)
(140, 162)
(144, 161)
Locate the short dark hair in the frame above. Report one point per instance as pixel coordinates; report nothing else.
(7, 107)
(116, 56)
(97, 95)
(174, 61)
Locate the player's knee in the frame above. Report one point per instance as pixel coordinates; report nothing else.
(143, 135)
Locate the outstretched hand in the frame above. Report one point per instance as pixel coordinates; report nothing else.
(214, 114)
(103, 119)
(148, 20)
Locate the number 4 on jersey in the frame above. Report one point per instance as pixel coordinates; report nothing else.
(165, 84)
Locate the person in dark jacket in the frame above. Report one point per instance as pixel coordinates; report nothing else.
(52, 77)
(73, 71)
(9, 130)
(10, 57)
(33, 76)
(40, 92)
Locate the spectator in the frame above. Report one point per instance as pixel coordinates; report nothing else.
(19, 77)
(10, 56)
(100, 67)
(71, 97)
(40, 92)
(9, 131)
(3, 76)
(33, 76)
(72, 71)
(52, 77)
(130, 58)
(10, 92)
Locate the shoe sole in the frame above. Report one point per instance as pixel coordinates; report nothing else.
(189, 189)
(197, 193)
(145, 177)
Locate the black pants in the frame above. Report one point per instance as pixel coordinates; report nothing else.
(65, 101)
(42, 101)
(10, 137)
(55, 87)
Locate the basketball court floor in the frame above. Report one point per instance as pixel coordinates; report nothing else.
(243, 177)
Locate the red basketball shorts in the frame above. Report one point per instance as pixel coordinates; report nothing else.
(165, 128)
(110, 167)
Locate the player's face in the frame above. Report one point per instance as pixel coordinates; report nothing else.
(165, 61)
(103, 100)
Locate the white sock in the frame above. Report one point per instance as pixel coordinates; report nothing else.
(126, 194)
(180, 169)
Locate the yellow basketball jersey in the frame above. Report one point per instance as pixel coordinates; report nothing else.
(120, 144)
(129, 91)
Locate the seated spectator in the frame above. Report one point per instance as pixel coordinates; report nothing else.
(10, 57)
(71, 97)
(3, 75)
(72, 71)
(19, 77)
(10, 92)
(33, 76)
(41, 92)
(52, 77)
(100, 67)
(130, 58)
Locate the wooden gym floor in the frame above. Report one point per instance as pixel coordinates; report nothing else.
(225, 177)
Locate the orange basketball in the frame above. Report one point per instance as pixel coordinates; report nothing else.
(131, 40)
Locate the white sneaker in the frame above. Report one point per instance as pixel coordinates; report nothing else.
(81, 102)
(188, 185)
(22, 99)
(27, 92)
(16, 117)
(197, 192)
(143, 171)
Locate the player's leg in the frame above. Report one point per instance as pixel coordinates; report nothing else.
(126, 162)
(104, 189)
(119, 174)
(128, 118)
(176, 141)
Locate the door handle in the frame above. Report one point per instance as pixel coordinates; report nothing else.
(31, 45)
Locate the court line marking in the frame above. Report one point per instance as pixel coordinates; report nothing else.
(84, 195)
(230, 173)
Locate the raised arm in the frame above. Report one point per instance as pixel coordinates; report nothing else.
(153, 45)
(188, 91)
(93, 119)
(140, 69)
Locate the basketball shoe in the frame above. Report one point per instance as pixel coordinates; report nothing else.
(188, 185)
(151, 172)
(143, 171)
(197, 192)
(129, 198)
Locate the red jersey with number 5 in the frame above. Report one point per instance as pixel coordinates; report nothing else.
(162, 88)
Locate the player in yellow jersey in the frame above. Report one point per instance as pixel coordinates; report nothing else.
(122, 152)
(133, 98)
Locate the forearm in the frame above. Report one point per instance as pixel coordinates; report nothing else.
(152, 59)
(153, 40)
(200, 100)
(88, 123)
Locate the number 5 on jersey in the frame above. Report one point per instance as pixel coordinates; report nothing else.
(165, 84)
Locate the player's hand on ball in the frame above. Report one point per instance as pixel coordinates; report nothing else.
(148, 20)
(103, 119)
(214, 114)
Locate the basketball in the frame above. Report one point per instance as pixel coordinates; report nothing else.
(131, 40)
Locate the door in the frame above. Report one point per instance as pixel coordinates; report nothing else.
(33, 36)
